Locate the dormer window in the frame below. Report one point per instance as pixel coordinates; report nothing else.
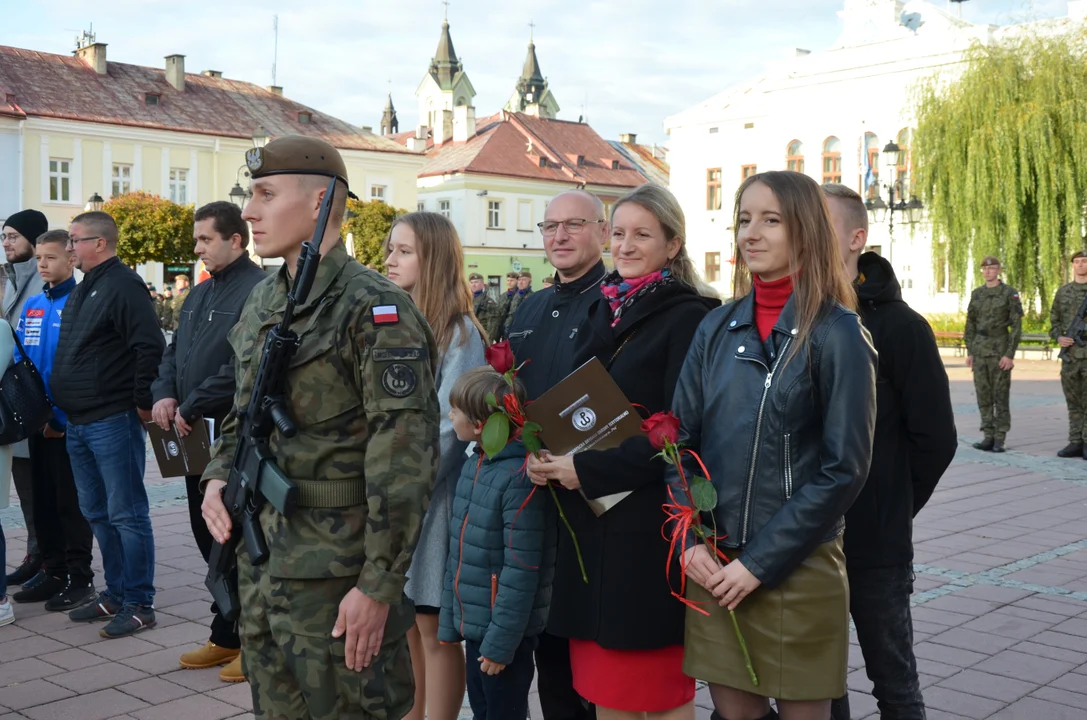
(151, 98)
(543, 162)
(581, 161)
(305, 117)
(614, 164)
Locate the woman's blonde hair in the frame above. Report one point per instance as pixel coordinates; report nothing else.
(441, 293)
(812, 249)
(662, 204)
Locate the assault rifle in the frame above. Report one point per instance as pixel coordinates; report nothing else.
(1075, 331)
(254, 476)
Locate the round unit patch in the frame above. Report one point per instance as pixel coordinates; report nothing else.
(398, 380)
(584, 419)
(172, 448)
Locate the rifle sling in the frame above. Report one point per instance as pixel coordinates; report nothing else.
(331, 493)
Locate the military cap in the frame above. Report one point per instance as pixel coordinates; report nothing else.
(1080, 254)
(475, 276)
(296, 155)
(989, 260)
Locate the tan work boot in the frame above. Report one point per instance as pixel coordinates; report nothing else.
(232, 673)
(208, 656)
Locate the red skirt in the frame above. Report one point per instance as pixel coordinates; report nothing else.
(630, 680)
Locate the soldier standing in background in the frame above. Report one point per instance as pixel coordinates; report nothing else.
(994, 323)
(486, 309)
(324, 621)
(1066, 303)
(165, 308)
(504, 304)
(524, 289)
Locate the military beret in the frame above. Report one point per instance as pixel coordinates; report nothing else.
(296, 155)
(1080, 254)
(475, 276)
(990, 260)
(513, 275)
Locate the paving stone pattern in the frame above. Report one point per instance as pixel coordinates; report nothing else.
(1000, 601)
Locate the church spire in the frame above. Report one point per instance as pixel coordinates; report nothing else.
(532, 95)
(389, 123)
(445, 66)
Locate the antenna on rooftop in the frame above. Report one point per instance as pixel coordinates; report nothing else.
(86, 39)
(275, 52)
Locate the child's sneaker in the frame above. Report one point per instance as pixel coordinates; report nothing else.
(7, 613)
(129, 621)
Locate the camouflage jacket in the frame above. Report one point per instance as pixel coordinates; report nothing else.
(489, 314)
(515, 301)
(361, 391)
(164, 309)
(1066, 303)
(994, 321)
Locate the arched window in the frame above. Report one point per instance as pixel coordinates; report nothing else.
(832, 160)
(904, 169)
(794, 156)
(870, 166)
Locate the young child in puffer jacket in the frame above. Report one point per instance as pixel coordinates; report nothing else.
(501, 558)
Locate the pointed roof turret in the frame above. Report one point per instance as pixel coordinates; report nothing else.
(445, 66)
(389, 123)
(531, 73)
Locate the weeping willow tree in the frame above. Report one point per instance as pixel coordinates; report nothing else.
(1001, 160)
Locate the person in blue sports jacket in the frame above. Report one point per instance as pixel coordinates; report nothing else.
(66, 580)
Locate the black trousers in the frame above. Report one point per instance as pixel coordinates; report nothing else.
(23, 475)
(503, 696)
(555, 682)
(64, 536)
(223, 632)
(879, 602)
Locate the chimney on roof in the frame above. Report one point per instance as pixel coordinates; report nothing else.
(276, 90)
(368, 129)
(94, 54)
(212, 73)
(464, 123)
(628, 138)
(418, 143)
(443, 133)
(175, 72)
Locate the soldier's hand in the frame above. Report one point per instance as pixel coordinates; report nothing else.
(1065, 341)
(490, 667)
(362, 620)
(163, 412)
(970, 361)
(1006, 364)
(214, 511)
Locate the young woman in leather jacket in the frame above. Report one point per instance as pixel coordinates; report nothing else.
(777, 395)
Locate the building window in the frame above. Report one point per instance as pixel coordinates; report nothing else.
(794, 156)
(443, 208)
(713, 189)
(714, 130)
(494, 214)
(904, 169)
(832, 160)
(747, 171)
(179, 186)
(122, 180)
(420, 206)
(869, 183)
(377, 193)
(151, 99)
(60, 179)
(304, 117)
(524, 215)
(713, 266)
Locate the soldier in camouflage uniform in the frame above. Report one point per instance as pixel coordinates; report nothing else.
(994, 323)
(486, 309)
(1066, 303)
(524, 289)
(324, 621)
(166, 310)
(504, 303)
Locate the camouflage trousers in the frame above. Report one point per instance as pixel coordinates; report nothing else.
(993, 387)
(296, 670)
(1074, 384)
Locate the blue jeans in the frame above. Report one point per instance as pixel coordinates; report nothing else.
(503, 696)
(108, 464)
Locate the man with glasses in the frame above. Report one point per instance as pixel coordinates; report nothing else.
(20, 234)
(107, 357)
(544, 330)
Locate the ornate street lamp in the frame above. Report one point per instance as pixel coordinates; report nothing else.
(877, 209)
(238, 196)
(260, 137)
(95, 202)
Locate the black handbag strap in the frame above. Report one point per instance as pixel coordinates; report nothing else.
(28, 361)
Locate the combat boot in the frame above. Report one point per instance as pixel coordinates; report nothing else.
(1072, 449)
(998, 445)
(986, 444)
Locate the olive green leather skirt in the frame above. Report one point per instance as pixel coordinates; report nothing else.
(797, 633)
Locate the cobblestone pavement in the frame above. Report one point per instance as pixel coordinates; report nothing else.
(1000, 605)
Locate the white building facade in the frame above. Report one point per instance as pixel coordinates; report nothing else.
(829, 114)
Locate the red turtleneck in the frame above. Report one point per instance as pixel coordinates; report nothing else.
(770, 298)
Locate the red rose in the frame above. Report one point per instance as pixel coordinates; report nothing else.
(661, 428)
(500, 357)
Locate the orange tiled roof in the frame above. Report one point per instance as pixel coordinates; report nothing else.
(38, 84)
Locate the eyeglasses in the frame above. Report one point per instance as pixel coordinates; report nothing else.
(73, 240)
(573, 226)
(10, 237)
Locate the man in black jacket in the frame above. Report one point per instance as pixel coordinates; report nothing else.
(914, 443)
(108, 354)
(543, 331)
(196, 380)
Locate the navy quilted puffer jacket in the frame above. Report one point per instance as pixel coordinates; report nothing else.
(501, 556)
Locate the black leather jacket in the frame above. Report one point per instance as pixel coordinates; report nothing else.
(787, 444)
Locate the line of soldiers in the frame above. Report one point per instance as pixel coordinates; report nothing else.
(495, 315)
(994, 323)
(168, 304)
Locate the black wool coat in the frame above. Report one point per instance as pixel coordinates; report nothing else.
(627, 604)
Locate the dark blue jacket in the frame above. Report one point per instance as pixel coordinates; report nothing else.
(501, 556)
(39, 331)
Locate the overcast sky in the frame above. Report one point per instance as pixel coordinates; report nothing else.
(625, 64)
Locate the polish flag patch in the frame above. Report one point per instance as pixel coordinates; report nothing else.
(386, 315)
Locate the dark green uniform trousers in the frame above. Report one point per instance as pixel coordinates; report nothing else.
(993, 387)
